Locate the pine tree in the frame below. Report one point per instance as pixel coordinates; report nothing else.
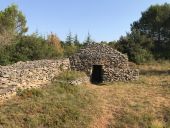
(76, 41)
(69, 39)
(88, 40)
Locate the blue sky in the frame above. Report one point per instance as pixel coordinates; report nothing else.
(105, 19)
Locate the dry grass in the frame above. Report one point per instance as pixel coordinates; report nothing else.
(144, 103)
(141, 104)
(58, 105)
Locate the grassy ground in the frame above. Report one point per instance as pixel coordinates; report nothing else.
(59, 105)
(144, 103)
(140, 104)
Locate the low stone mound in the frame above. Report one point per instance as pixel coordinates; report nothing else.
(114, 65)
(29, 74)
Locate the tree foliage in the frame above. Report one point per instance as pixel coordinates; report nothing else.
(149, 36)
(76, 41)
(71, 45)
(12, 24)
(136, 46)
(155, 24)
(33, 47)
(88, 40)
(54, 41)
(69, 39)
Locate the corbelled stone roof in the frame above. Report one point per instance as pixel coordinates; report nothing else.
(101, 54)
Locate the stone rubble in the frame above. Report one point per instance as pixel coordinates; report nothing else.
(29, 74)
(37, 73)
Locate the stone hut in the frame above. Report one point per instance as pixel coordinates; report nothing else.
(103, 64)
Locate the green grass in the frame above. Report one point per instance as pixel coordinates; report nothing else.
(57, 106)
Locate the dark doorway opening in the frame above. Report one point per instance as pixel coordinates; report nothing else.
(97, 74)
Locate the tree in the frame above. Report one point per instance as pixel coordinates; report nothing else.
(112, 44)
(153, 21)
(54, 41)
(69, 39)
(32, 47)
(12, 24)
(103, 42)
(88, 40)
(76, 41)
(155, 24)
(136, 46)
(12, 27)
(137, 38)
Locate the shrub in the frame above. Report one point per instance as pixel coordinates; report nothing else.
(32, 48)
(70, 50)
(141, 56)
(4, 56)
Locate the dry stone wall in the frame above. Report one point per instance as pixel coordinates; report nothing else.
(29, 74)
(115, 65)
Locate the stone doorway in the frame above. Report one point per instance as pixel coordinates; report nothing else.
(97, 74)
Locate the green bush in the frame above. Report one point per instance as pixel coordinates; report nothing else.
(5, 56)
(141, 56)
(70, 50)
(31, 47)
(136, 46)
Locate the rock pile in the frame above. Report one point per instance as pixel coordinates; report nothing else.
(115, 65)
(29, 74)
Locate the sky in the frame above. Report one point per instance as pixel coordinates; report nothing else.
(105, 20)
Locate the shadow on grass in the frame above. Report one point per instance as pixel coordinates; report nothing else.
(155, 72)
